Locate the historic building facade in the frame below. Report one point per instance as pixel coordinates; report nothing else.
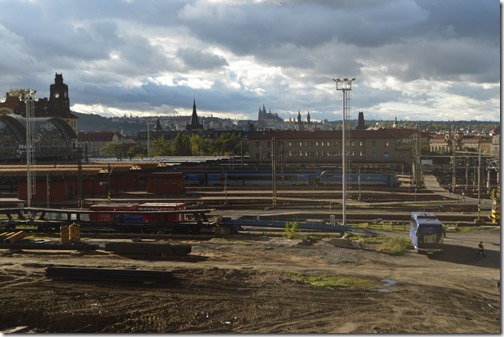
(93, 143)
(383, 148)
(446, 143)
(53, 126)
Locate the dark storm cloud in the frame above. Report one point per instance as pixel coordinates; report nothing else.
(253, 28)
(140, 58)
(443, 59)
(109, 51)
(45, 38)
(151, 12)
(411, 33)
(477, 19)
(155, 95)
(468, 90)
(381, 23)
(196, 59)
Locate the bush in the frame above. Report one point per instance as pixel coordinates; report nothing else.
(395, 245)
(291, 230)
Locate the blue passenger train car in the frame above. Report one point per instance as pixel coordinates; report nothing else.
(289, 178)
(371, 179)
(426, 232)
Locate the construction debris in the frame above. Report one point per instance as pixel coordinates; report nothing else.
(147, 248)
(12, 237)
(48, 246)
(107, 274)
(64, 234)
(70, 234)
(74, 233)
(17, 329)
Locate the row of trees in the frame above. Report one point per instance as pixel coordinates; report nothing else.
(181, 145)
(195, 145)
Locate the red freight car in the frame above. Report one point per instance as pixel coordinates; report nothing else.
(104, 217)
(162, 206)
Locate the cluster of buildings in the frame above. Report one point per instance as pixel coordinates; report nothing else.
(295, 142)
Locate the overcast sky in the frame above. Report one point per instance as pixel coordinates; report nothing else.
(413, 59)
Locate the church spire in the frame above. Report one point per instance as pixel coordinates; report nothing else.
(299, 121)
(194, 124)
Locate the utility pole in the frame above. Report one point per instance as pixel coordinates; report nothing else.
(282, 157)
(479, 176)
(225, 188)
(48, 190)
(454, 163)
(79, 177)
(148, 137)
(419, 178)
(359, 182)
(273, 170)
(109, 172)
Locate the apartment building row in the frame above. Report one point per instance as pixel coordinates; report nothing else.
(363, 146)
(380, 145)
(308, 148)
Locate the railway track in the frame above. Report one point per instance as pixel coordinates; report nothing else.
(295, 203)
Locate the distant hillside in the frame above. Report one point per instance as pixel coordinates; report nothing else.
(132, 125)
(93, 122)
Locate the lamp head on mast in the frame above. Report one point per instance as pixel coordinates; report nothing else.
(344, 84)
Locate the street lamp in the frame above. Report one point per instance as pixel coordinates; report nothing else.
(344, 85)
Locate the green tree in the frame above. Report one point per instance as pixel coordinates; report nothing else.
(160, 147)
(199, 145)
(114, 149)
(226, 144)
(136, 151)
(181, 145)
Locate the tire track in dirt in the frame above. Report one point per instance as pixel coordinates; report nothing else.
(248, 286)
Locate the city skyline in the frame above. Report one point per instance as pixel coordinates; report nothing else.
(414, 60)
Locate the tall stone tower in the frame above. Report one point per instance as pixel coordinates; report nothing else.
(59, 102)
(361, 124)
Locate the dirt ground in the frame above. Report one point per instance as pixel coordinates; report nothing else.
(258, 284)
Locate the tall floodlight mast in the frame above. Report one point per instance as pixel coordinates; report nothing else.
(28, 97)
(345, 85)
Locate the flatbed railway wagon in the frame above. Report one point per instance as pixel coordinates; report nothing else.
(131, 214)
(111, 218)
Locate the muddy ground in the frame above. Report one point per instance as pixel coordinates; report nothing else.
(261, 284)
